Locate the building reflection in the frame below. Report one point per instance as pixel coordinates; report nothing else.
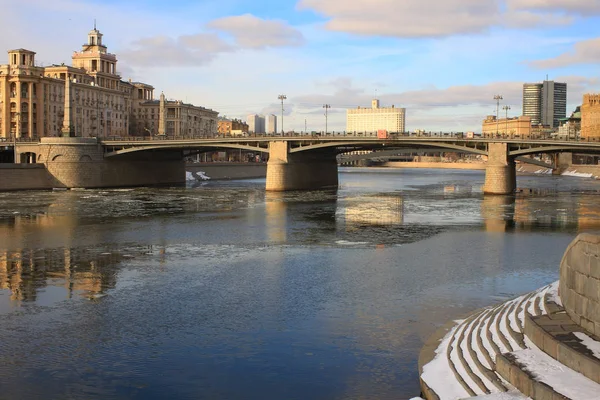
(27, 272)
(371, 210)
(528, 210)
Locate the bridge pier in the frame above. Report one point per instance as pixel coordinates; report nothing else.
(300, 171)
(500, 171)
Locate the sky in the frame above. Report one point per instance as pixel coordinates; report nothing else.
(442, 60)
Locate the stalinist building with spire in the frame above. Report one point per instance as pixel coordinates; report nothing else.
(89, 99)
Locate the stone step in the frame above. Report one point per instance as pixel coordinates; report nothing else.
(456, 362)
(539, 376)
(557, 335)
(478, 354)
(502, 327)
(468, 363)
(473, 344)
(520, 311)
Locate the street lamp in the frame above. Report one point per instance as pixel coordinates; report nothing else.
(506, 108)
(326, 107)
(282, 97)
(497, 97)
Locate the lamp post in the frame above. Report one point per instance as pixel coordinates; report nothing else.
(497, 97)
(326, 107)
(282, 97)
(506, 108)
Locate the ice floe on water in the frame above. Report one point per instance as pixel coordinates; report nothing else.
(196, 176)
(578, 174)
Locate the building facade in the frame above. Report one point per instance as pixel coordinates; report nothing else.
(518, 126)
(590, 116)
(87, 99)
(256, 123)
(272, 124)
(229, 126)
(545, 103)
(372, 119)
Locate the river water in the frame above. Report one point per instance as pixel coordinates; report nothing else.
(220, 290)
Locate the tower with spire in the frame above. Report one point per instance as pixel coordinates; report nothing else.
(97, 61)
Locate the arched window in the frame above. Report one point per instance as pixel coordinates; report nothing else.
(24, 89)
(13, 89)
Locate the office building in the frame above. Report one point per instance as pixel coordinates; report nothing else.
(376, 118)
(545, 103)
(88, 99)
(272, 124)
(256, 123)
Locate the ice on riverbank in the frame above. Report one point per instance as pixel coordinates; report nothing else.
(200, 175)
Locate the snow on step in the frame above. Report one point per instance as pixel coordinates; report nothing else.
(552, 293)
(460, 368)
(503, 325)
(475, 343)
(467, 355)
(437, 375)
(556, 375)
(591, 344)
(496, 334)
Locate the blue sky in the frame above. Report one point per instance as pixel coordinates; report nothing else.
(442, 60)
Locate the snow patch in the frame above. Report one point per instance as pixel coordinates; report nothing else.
(437, 373)
(553, 293)
(554, 374)
(590, 343)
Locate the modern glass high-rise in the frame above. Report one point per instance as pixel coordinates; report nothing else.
(272, 124)
(545, 103)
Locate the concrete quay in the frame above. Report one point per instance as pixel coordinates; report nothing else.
(541, 345)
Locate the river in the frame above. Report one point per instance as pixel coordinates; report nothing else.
(220, 290)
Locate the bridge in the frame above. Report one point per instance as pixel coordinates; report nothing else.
(295, 162)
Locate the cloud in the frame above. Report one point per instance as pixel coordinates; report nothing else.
(577, 7)
(255, 33)
(433, 18)
(345, 95)
(408, 18)
(248, 32)
(187, 50)
(584, 52)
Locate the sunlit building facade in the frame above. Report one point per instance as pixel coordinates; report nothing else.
(590, 116)
(87, 99)
(376, 118)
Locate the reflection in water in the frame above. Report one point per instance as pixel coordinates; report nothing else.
(498, 212)
(371, 210)
(26, 272)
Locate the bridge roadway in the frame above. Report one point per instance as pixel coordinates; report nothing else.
(295, 162)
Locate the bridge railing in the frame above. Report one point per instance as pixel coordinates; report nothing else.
(337, 135)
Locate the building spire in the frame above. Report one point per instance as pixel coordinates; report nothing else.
(94, 23)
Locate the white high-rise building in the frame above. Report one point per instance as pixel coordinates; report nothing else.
(256, 123)
(272, 124)
(372, 119)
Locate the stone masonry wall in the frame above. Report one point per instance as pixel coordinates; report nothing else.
(24, 177)
(580, 282)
